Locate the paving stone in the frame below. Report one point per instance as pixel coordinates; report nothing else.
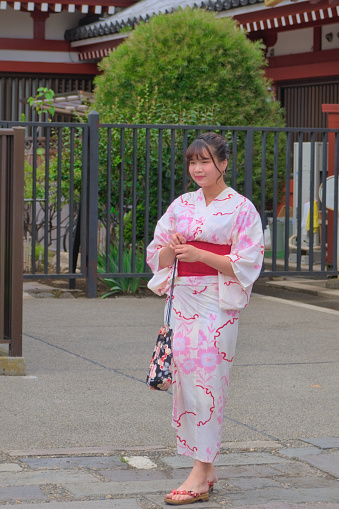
(68, 451)
(324, 443)
(10, 467)
(254, 483)
(21, 493)
(234, 472)
(45, 477)
(75, 462)
(83, 489)
(252, 458)
(287, 505)
(287, 495)
(125, 503)
(247, 471)
(299, 452)
(159, 500)
(308, 482)
(254, 444)
(133, 475)
(326, 462)
(141, 462)
(294, 468)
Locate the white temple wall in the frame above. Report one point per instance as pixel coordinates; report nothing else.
(15, 24)
(56, 24)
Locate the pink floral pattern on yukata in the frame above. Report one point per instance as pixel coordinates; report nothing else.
(205, 313)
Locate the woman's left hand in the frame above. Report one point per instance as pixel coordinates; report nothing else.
(187, 253)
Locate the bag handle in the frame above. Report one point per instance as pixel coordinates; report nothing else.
(169, 306)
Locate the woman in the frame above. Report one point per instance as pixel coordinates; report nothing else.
(216, 235)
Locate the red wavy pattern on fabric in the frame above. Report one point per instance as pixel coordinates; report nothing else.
(184, 317)
(238, 258)
(200, 423)
(229, 213)
(228, 283)
(183, 441)
(224, 199)
(209, 393)
(177, 421)
(185, 202)
(196, 292)
(224, 354)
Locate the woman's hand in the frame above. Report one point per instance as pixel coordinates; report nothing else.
(187, 253)
(167, 254)
(176, 240)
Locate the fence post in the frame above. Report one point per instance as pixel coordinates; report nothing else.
(92, 204)
(12, 144)
(248, 171)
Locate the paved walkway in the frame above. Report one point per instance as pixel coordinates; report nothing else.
(252, 475)
(82, 431)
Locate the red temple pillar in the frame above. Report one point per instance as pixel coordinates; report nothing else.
(332, 111)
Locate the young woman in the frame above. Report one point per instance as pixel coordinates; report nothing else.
(216, 235)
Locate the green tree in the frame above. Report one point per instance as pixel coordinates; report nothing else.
(192, 58)
(191, 68)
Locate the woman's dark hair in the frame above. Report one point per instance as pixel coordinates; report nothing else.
(215, 145)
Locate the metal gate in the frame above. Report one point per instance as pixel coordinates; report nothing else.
(98, 189)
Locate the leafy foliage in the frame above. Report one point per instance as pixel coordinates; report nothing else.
(193, 59)
(43, 101)
(121, 285)
(189, 68)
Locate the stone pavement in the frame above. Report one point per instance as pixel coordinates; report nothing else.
(82, 431)
(252, 475)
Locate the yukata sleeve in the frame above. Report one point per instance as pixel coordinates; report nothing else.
(246, 257)
(161, 280)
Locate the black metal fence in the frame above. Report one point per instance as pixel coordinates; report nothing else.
(103, 186)
(11, 206)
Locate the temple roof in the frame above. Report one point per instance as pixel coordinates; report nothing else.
(145, 9)
(55, 6)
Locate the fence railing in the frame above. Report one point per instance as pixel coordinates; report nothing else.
(120, 178)
(11, 234)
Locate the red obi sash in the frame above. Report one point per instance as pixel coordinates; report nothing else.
(199, 268)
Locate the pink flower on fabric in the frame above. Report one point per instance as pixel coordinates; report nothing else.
(201, 338)
(244, 220)
(188, 365)
(184, 223)
(209, 358)
(244, 242)
(181, 344)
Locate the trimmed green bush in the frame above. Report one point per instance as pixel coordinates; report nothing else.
(193, 59)
(190, 68)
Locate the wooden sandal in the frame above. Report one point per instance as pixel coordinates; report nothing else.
(196, 497)
(210, 486)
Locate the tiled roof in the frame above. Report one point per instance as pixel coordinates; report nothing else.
(55, 6)
(144, 10)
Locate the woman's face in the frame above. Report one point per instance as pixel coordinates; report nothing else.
(204, 172)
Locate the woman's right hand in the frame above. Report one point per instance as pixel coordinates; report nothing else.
(176, 238)
(167, 254)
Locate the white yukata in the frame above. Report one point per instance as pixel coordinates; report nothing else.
(205, 311)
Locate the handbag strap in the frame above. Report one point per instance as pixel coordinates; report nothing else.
(169, 306)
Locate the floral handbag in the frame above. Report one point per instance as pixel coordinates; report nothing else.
(160, 375)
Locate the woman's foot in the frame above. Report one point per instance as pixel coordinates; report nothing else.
(196, 482)
(188, 497)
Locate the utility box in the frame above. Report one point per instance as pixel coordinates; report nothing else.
(306, 186)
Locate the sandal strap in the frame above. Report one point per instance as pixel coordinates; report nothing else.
(189, 493)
